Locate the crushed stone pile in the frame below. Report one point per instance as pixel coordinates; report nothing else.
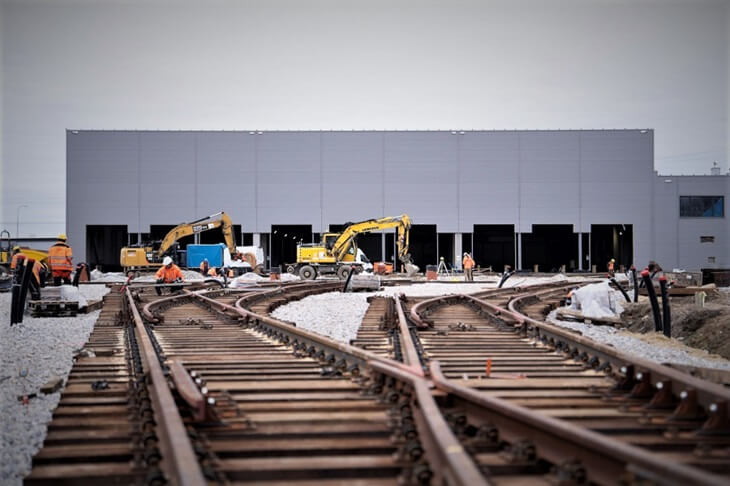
(31, 354)
(97, 276)
(333, 314)
(654, 347)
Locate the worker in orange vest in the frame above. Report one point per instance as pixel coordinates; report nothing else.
(169, 273)
(611, 264)
(60, 258)
(468, 264)
(39, 272)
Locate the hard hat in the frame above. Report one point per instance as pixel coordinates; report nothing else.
(62, 236)
(612, 260)
(166, 261)
(465, 253)
(16, 248)
(205, 260)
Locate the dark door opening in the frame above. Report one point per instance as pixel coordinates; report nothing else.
(284, 240)
(214, 236)
(446, 249)
(550, 246)
(494, 246)
(612, 241)
(369, 243)
(466, 243)
(423, 245)
(103, 246)
(390, 250)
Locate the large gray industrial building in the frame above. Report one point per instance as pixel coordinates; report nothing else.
(522, 198)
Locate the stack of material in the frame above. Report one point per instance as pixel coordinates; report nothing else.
(365, 282)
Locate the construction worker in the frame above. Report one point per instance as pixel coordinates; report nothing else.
(468, 264)
(212, 272)
(59, 259)
(167, 274)
(38, 278)
(611, 264)
(204, 267)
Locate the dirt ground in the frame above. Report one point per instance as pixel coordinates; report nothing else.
(706, 328)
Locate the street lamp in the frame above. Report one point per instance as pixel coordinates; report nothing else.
(17, 220)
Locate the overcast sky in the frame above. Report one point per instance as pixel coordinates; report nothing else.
(310, 65)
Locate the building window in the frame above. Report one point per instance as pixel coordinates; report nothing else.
(707, 239)
(701, 206)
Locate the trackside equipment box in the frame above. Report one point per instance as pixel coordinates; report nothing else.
(197, 253)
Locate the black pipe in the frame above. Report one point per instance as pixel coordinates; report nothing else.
(505, 276)
(626, 296)
(636, 283)
(18, 304)
(665, 307)
(347, 281)
(652, 298)
(13, 303)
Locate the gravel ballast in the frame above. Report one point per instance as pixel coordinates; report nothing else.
(338, 315)
(33, 353)
(654, 347)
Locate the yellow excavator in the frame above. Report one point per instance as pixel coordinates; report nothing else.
(338, 252)
(149, 256)
(6, 252)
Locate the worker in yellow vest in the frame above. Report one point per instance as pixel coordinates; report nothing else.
(60, 258)
(38, 278)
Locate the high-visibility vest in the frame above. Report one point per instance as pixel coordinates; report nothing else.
(468, 262)
(170, 274)
(59, 258)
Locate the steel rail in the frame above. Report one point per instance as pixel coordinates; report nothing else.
(446, 455)
(714, 398)
(416, 312)
(410, 353)
(557, 439)
(179, 461)
(448, 460)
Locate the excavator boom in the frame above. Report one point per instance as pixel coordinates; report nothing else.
(146, 257)
(198, 226)
(346, 239)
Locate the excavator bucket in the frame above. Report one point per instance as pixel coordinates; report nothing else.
(411, 269)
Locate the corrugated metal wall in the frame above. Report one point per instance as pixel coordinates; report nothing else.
(451, 179)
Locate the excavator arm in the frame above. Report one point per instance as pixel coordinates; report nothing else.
(198, 226)
(346, 240)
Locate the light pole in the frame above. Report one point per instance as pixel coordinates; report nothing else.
(17, 220)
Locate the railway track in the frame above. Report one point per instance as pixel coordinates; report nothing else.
(235, 396)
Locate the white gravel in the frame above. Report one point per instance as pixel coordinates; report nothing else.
(654, 347)
(33, 352)
(97, 276)
(333, 314)
(339, 315)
